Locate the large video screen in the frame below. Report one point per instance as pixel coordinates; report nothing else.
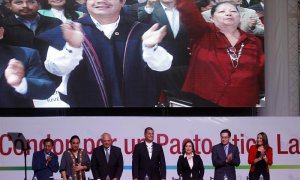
(202, 53)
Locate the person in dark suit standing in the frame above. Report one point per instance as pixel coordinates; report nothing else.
(45, 162)
(22, 77)
(225, 156)
(189, 164)
(148, 160)
(176, 42)
(107, 160)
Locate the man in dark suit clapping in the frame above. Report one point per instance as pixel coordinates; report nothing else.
(107, 160)
(225, 156)
(148, 160)
(45, 162)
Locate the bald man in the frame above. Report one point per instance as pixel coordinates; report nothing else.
(107, 160)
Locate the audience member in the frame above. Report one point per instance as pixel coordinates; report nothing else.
(249, 21)
(22, 76)
(227, 64)
(63, 10)
(176, 42)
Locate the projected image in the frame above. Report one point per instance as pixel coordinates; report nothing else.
(145, 53)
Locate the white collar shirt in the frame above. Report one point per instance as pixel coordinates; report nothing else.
(149, 148)
(173, 18)
(59, 14)
(107, 29)
(190, 161)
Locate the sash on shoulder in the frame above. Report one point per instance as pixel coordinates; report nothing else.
(97, 67)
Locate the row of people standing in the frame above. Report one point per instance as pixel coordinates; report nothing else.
(225, 61)
(148, 160)
(106, 163)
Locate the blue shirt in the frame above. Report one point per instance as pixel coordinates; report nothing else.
(30, 24)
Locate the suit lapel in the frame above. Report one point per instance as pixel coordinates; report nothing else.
(230, 148)
(161, 17)
(43, 155)
(223, 154)
(181, 31)
(194, 161)
(5, 56)
(187, 162)
(111, 154)
(145, 149)
(154, 150)
(102, 154)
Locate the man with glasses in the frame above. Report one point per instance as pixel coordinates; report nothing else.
(225, 156)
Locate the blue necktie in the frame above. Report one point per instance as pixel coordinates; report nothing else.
(226, 149)
(107, 155)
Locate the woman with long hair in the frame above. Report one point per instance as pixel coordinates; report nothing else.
(260, 158)
(190, 165)
(75, 161)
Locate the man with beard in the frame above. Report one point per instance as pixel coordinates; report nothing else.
(22, 76)
(25, 24)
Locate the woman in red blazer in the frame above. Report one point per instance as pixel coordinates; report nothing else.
(260, 158)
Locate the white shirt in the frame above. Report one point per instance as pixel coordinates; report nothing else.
(22, 87)
(107, 29)
(59, 14)
(149, 148)
(173, 18)
(190, 161)
(172, 15)
(63, 62)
